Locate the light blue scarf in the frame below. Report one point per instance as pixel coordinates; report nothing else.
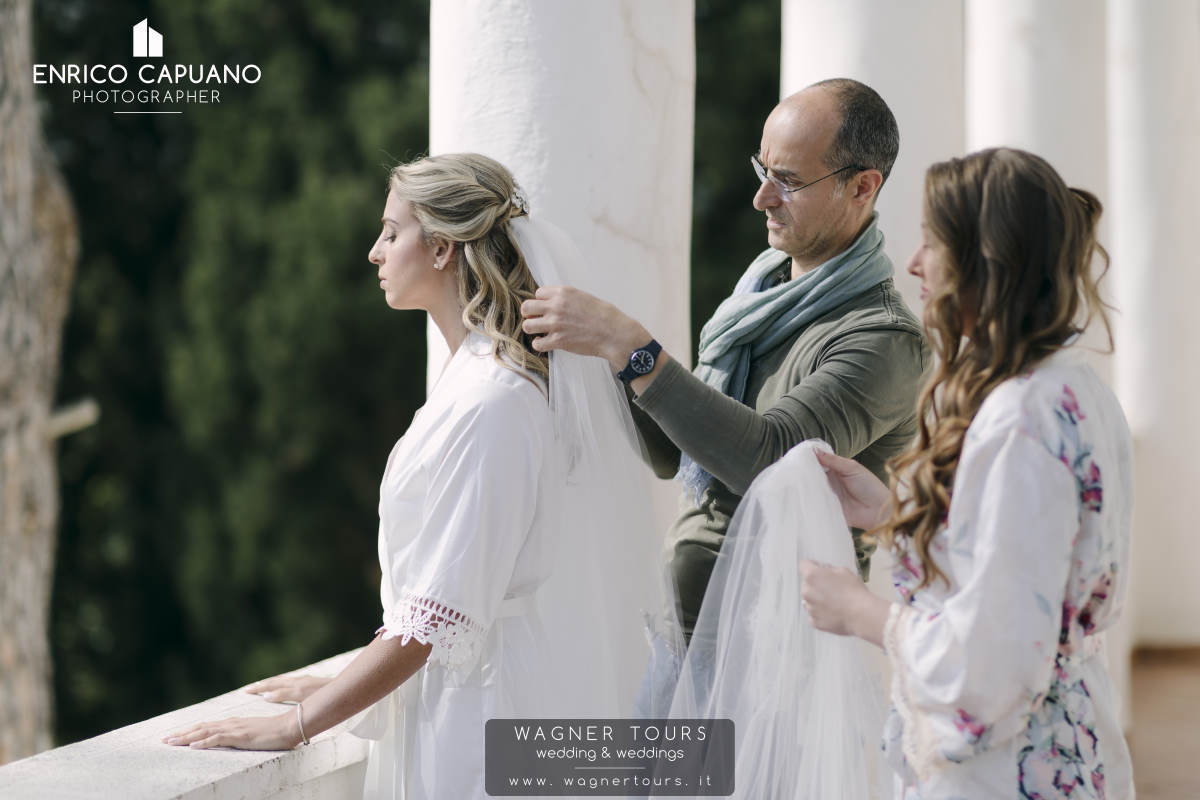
(754, 320)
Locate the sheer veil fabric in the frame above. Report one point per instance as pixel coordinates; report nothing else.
(606, 574)
(807, 706)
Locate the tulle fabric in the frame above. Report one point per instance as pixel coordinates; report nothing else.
(807, 706)
(608, 549)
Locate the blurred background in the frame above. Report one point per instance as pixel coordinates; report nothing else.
(217, 523)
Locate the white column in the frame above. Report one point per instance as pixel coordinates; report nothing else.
(1035, 79)
(912, 54)
(590, 104)
(1154, 95)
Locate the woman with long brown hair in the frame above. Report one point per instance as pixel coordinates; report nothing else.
(1010, 515)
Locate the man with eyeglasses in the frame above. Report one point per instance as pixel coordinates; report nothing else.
(815, 341)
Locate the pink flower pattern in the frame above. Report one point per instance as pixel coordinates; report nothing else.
(971, 728)
(1076, 456)
(1070, 404)
(1060, 756)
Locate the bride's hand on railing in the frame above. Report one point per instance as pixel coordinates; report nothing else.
(864, 498)
(280, 732)
(286, 688)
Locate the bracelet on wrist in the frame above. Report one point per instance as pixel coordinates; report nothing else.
(300, 722)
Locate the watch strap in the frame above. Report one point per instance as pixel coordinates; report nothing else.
(641, 361)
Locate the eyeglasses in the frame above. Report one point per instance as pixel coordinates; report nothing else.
(786, 191)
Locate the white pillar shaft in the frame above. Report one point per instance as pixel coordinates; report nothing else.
(912, 54)
(591, 106)
(1154, 74)
(1036, 80)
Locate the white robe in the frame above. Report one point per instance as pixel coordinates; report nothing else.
(463, 547)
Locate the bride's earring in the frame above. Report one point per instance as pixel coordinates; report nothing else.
(438, 266)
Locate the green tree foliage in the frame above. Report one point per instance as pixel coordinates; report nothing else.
(737, 85)
(219, 522)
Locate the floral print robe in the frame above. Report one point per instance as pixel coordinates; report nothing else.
(1000, 687)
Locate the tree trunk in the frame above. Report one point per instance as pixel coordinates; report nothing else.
(38, 248)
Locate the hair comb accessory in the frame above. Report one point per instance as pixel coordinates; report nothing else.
(518, 206)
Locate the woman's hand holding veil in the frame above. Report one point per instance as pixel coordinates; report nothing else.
(835, 598)
(839, 602)
(864, 498)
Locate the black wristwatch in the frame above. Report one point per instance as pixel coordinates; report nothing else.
(641, 361)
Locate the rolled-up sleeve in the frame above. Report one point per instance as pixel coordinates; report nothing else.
(479, 507)
(863, 387)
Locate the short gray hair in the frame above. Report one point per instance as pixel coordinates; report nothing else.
(868, 136)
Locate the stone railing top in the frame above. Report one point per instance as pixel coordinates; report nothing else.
(132, 763)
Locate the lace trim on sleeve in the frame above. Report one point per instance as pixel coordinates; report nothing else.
(917, 740)
(456, 638)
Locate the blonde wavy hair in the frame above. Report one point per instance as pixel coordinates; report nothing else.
(468, 199)
(1018, 286)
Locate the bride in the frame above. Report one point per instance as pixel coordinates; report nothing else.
(491, 601)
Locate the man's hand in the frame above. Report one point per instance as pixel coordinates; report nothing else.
(563, 318)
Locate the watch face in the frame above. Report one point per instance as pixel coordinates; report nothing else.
(641, 362)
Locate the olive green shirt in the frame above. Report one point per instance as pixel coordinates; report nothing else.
(850, 377)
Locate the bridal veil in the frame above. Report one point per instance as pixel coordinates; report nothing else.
(807, 706)
(609, 550)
